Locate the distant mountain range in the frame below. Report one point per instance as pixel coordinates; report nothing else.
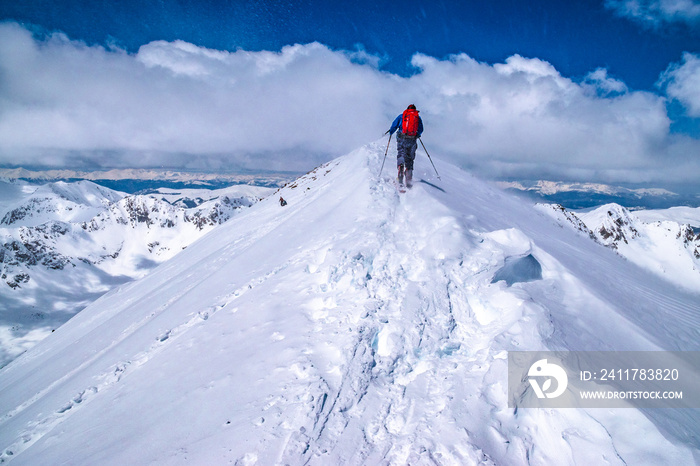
(586, 195)
(568, 194)
(132, 180)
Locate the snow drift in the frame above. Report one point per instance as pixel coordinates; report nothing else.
(352, 326)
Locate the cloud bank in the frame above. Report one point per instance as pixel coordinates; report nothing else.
(655, 13)
(178, 105)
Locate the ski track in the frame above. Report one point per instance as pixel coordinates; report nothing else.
(408, 330)
(431, 332)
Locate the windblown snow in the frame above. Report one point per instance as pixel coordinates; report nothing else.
(355, 325)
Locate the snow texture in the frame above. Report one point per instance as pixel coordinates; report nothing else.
(356, 325)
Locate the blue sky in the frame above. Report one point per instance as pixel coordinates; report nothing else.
(602, 90)
(574, 36)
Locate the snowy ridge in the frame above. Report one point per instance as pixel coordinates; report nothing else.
(659, 241)
(352, 326)
(188, 198)
(566, 218)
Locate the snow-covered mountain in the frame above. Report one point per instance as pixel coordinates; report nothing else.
(62, 245)
(352, 326)
(69, 202)
(666, 242)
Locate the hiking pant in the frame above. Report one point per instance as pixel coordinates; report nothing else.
(406, 150)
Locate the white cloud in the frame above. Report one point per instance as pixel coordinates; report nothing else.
(602, 84)
(657, 12)
(523, 118)
(180, 105)
(682, 82)
(62, 99)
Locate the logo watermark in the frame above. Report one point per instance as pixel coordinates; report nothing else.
(604, 379)
(551, 371)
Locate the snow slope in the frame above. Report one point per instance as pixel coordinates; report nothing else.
(662, 241)
(65, 244)
(666, 247)
(352, 326)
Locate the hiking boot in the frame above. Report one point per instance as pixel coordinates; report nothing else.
(409, 178)
(401, 174)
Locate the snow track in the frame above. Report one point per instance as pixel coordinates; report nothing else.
(352, 326)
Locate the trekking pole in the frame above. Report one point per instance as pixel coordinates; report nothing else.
(429, 158)
(385, 152)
